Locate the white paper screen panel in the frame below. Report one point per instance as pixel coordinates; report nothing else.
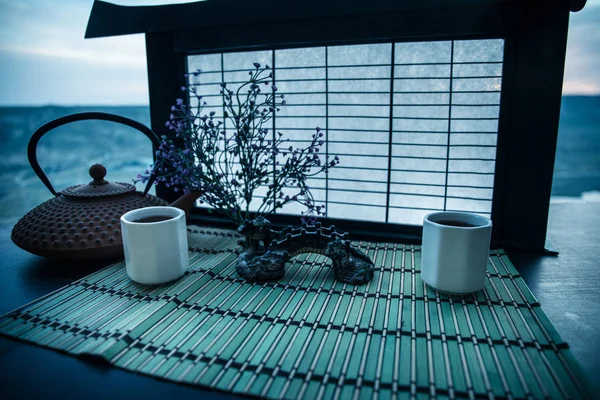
(415, 124)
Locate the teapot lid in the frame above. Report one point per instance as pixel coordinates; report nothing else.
(99, 187)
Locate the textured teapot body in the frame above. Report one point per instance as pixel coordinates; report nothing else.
(78, 229)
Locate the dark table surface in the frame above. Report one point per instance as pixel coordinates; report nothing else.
(567, 286)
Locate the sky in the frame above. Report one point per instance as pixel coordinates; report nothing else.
(44, 58)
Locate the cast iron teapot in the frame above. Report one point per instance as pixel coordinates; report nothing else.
(83, 221)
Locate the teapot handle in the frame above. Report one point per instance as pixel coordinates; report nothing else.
(41, 131)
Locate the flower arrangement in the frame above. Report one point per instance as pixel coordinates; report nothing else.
(226, 167)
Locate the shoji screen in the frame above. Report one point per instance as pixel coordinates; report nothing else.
(415, 124)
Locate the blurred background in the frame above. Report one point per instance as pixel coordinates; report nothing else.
(48, 69)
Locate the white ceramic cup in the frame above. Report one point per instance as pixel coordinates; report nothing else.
(155, 252)
(454, 258)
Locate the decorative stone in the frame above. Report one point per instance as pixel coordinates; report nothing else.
(266, 251)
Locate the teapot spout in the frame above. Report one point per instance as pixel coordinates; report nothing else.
(186, 202)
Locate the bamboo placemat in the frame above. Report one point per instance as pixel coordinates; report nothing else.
(309, 336)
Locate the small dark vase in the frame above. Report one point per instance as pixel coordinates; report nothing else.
(186, 202)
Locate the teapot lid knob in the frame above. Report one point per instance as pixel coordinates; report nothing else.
(99, 187)
(98, 172)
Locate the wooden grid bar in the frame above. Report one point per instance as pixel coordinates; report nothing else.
(309, 336)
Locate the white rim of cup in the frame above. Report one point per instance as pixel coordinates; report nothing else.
(471, 218)
(174, 212)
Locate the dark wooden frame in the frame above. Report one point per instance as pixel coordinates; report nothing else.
(535, 34)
